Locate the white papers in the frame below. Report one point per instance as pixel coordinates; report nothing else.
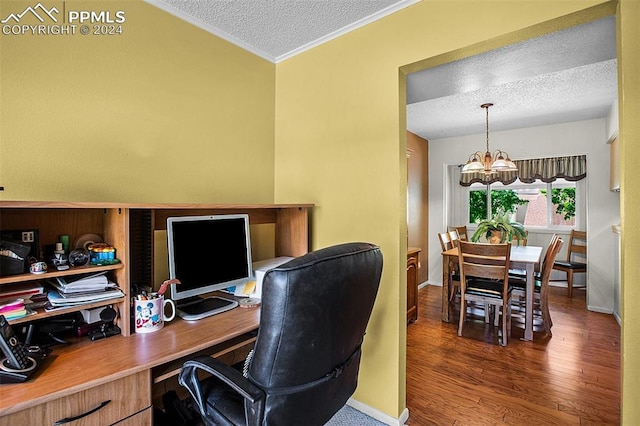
(56, 299)
(85, 283)
(73, 291)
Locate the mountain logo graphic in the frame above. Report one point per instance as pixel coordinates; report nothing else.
(38, 11)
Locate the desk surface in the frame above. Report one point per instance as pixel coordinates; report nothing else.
(86, 364)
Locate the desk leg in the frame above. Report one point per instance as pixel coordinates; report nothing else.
(528, 328)
(445, 288)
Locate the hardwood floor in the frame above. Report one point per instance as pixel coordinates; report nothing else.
(572, 377)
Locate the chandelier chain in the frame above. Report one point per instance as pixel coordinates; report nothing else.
(487, 126)
(486, 108)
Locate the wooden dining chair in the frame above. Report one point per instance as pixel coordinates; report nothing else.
(484, 278)
(518, 278)
(462, 232)
(454, 236)
(446, 243)
(541, 289)
(576, 258)
(521, 273)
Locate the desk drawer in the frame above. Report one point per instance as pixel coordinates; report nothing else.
(143, 418)
(127, 396)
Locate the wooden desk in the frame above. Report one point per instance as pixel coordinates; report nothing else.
(522, 257)
(73, 370)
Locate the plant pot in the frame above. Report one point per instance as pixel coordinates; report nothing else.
(495, 237)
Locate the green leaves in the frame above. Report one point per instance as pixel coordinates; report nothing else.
(502, 199)
(565, 201)
(500, 222)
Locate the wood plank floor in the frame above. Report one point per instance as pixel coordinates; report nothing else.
(572, 377)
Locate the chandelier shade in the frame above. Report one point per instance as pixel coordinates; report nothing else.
(488, 163)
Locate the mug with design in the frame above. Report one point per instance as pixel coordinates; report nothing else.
(38, 268)
(150, 314)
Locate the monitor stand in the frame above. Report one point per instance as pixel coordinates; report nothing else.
(195, 308)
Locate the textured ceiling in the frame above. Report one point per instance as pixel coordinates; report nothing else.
(568, 75)
(278, 29)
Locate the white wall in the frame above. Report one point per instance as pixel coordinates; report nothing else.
(603, 206)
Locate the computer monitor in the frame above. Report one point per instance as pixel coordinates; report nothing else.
(207, 253)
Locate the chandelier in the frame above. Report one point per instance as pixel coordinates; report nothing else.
(487, 163)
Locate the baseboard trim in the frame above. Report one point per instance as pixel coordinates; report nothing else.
(617, 317)
(600, 309)
(379, 415)
(423, 285)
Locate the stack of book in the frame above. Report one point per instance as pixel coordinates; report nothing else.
(80, 290)
(13, 309)
(19, 300)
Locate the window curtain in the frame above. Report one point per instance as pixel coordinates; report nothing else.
(572, 168)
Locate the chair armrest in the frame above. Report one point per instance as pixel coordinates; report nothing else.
(226, 374)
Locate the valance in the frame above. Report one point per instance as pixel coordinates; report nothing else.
(571, 168)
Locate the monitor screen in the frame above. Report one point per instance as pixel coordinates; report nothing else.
(208, 253)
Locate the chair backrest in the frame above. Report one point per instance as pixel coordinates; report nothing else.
(462, 232)
(454, 237)
(445, 241)
(577, 249)
(550, 256)
(314, 313)
(481, 260)
(545, 260)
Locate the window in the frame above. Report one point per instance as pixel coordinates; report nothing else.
(529, 203)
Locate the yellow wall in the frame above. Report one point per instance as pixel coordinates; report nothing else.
(629, 136)
(163, 112)
(96, 118)
(340, 140)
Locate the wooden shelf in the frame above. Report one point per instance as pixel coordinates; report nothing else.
(41, 313)
(89, 269)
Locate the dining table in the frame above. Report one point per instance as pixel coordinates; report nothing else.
(522, 258)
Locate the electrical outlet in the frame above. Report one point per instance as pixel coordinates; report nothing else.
(28, 237)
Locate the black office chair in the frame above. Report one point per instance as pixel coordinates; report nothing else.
(306, 358)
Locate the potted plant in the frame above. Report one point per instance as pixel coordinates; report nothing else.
(499, 229)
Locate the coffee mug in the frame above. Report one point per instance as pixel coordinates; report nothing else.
(38, 268)
(150, 314)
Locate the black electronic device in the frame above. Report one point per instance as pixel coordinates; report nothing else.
(20, 361)
(104, 331)
(15, 353)
(207, 253)
(53, 331)
(107, 328)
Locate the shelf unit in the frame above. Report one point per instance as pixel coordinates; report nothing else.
(74, 219)
(129, 228)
